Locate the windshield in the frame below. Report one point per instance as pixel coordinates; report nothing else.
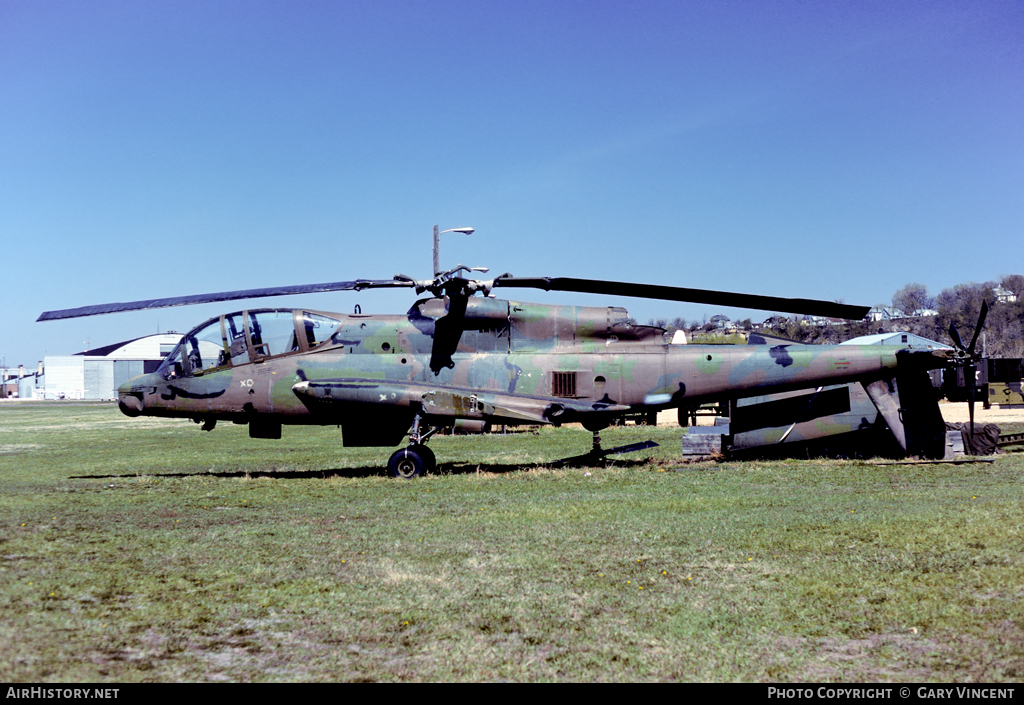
(201, 349)
(246, 336)
(171, 366)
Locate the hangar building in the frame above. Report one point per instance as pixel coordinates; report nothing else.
(897, 338)
(97, 373)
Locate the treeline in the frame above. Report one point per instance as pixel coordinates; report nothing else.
(916, 311)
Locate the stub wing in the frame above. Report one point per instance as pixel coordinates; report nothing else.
(443, 403)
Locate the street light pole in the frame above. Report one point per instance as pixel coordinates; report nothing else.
(437, 245)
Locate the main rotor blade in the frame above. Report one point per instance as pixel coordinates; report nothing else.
(810, 307)
(447, 333)
(221, 296)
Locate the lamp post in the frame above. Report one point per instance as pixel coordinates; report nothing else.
(437, 245)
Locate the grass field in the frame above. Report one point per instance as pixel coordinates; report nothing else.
(148, 550)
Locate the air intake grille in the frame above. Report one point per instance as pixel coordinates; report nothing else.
(563, 384)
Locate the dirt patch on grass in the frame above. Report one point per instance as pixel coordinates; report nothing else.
(960, 413)
(93, 425)
(878, 657)
(906, 657)
(18, 447)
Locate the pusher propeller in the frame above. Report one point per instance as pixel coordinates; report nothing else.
(966, 357)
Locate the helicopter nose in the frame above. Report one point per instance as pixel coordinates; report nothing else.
(129, 398)
(130, 403)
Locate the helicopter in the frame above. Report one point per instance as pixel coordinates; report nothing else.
(462, 359)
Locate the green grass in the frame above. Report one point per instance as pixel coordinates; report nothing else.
(148, 550)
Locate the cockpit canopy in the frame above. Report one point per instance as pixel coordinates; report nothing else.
(247, 336)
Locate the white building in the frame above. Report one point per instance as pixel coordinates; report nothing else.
(97, 373)
(1004, 296)
(897, 338)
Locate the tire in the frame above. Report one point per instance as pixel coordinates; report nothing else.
(429, 459)
(407, 463)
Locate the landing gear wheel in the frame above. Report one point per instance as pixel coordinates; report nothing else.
(411, 462)
(428, 456)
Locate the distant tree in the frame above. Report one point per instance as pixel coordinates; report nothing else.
(1002, 336)
(912, 299)
(1004, 329)
(1013, 283)
(961, 307)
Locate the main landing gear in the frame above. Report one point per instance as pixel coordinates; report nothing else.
(417, 459)
(412, 461)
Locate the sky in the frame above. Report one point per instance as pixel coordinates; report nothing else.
(834, 150)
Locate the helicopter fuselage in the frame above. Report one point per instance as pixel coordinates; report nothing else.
(506, 363)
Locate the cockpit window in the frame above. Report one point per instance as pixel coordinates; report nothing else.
(273, 332)
(234, 328)
(200, 350)
(223, 341)
(171, 367)
(318, 328)
(205, 348)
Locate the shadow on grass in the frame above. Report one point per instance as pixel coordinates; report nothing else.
(228, 474)
(498, 469)
(376, 471)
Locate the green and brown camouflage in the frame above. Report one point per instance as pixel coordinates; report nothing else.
(490, 361)
(461, 360)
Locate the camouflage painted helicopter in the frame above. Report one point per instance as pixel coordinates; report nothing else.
(461, 358)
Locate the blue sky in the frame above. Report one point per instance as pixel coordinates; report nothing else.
(834, 150)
